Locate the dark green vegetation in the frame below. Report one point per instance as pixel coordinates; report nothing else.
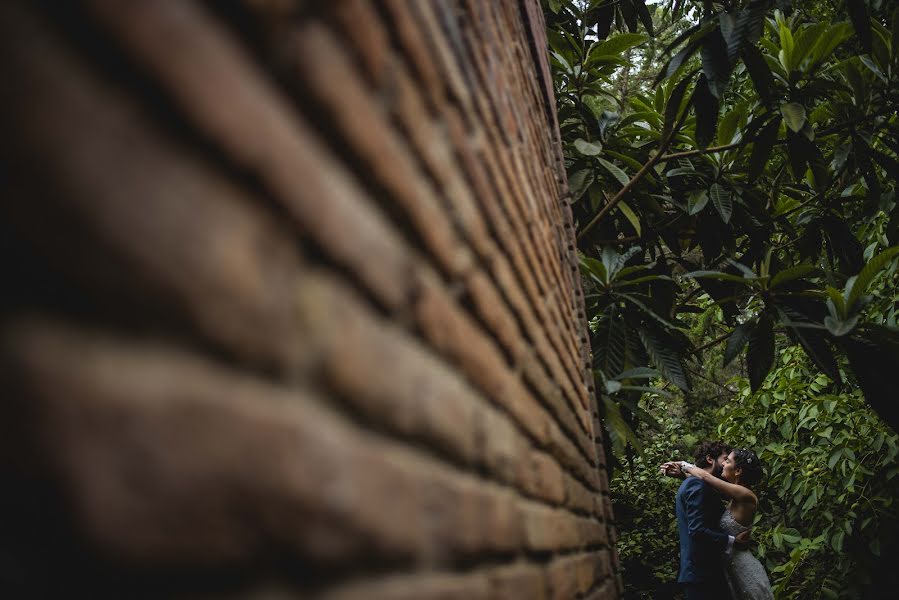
(733, 176)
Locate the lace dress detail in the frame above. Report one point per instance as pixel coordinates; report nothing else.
(744, 573)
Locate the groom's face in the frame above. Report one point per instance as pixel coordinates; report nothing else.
(719, 465)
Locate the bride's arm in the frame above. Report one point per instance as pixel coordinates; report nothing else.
(729, 490)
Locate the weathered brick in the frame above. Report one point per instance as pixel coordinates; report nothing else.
(585, 572)
(415, 587)
(549, 530)
(561, 578)
(382, 372)
(372, 42)
(577, 496)
(517, 582)
(543, 478)
(607, 589)
(452, 332)
(229, 465)
(603, 564)
(328, 75)
(463, 517)
(592, 532)
(229, 281)
(346, 320)
(199, 64)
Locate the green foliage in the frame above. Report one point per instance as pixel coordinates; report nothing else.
(827, 505)
(773, 222)
(644, 503)
(732, 169)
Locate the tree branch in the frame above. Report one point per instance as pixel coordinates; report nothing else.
(666, 141)
(699, 151)
(713, 342)
(829, 131)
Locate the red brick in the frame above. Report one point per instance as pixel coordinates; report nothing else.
(549, 530)
(376, 361)
(561, 578)
(543, 478)
(384, 373)
(327, 74)
(606, 590)
(517, 582)
(426, 586)
(453, 333)
(577, 496)
(199, 63)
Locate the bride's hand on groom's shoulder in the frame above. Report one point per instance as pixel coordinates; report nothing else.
(743, 540)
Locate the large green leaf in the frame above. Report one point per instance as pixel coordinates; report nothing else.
(706, 105)
(794, 115)
(762, 148)
(619, 431)
(587, 148)
(722, 202)
(746, 29)
(638, 373)
(873, 353)
(618, 44)
(611, 350)
(759, 72)
(594, 268)
(760, 356)
(715, 65)
(867, 275)
(861, 21)
(643, 15)
(719, 275)
(805, 40)
(696, 201)
(694, 43)
(736, 341)
(786, 46)
(727, 128)
(615, 170)
(823, 49)
(578, 183)
(674, 106)
(666, 359)
(791, 274)
(643, 305)
(630, 215)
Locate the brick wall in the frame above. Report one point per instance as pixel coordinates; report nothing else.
(295, 308)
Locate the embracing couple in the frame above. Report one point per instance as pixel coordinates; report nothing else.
(715, 562)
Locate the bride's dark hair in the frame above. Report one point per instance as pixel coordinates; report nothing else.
(749, 462)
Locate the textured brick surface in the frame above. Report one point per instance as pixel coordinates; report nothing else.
(297, 312)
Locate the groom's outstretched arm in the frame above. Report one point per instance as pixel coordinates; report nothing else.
(695, 515)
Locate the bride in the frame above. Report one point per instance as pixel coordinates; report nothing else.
(742, 469)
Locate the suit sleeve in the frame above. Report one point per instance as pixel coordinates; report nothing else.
(696, 528)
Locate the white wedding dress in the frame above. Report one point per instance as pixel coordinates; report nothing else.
(744, 573)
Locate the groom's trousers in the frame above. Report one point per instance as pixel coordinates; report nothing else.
(706, 590)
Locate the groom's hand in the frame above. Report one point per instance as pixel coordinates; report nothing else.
(743, 540)
(672, 469)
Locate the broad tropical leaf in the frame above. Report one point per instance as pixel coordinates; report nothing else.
(760, 356)
(736, 342)
(722, 201)
(666, 359)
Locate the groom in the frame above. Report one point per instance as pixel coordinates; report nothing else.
(703, 546)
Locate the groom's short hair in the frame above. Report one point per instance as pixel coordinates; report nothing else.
(713, 448)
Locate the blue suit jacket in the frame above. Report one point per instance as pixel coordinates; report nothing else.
(702, 544)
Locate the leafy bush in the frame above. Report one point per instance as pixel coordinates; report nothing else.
(827, 508)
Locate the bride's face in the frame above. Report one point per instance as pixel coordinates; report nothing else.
(728, 473)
